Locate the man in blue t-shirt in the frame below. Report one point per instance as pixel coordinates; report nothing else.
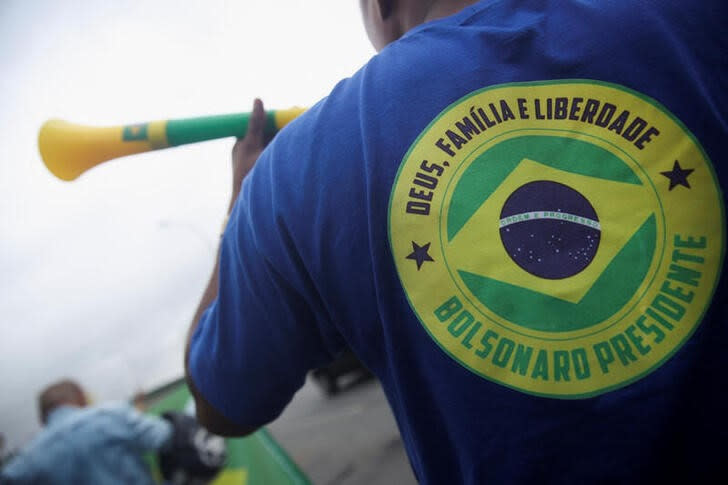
(83, 444)
(514, 215)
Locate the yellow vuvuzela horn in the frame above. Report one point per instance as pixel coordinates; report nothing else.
(68, 149)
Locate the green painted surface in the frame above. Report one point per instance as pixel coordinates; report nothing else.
(253, 460)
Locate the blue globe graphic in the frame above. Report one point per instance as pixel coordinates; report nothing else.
(549, 229)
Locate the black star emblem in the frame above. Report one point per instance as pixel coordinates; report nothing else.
(678, 175)
(419, 254)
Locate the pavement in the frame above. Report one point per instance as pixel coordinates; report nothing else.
(350, 438)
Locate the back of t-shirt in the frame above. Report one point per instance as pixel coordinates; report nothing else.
(514, 216)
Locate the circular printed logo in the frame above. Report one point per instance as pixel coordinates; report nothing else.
(559, 238)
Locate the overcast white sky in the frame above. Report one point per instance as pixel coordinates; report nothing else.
(99, 277)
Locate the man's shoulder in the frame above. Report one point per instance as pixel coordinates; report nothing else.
(109, 414)
(122, 408)
(84, 421)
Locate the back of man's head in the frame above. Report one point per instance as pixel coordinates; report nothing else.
(65, 392)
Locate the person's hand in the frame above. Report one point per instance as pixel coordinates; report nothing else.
(247, 149)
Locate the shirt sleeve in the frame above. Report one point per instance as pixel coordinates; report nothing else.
(147, 432)
(268, 327)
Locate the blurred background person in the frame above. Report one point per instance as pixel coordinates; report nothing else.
(5, 454)
(87, 444)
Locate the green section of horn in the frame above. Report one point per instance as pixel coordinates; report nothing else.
(203, 128)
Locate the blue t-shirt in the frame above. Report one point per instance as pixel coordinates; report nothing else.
(515, 217)
(95, 445)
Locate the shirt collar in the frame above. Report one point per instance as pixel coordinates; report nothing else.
(453, 19)
(60, 413)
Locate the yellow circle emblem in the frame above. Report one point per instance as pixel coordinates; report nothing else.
(559, 238)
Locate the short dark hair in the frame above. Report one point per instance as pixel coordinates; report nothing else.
(62, 392)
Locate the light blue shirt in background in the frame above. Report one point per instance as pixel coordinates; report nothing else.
(95, 445)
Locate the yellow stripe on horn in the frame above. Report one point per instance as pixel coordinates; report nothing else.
(158, 134)
(284, 116)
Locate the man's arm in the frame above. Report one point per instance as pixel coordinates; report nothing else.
(147, 432)
(245, 154)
